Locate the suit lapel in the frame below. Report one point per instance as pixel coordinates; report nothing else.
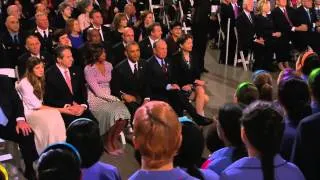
(60, 80)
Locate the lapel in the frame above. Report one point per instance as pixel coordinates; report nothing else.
(61, 82)
(128, 71)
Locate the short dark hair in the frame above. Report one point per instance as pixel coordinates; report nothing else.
(93, 12)
(175, 24)
(60, 49)
(58, 33)
(151, 27)
(95, 51)
(131, 44)
(183, 38)
(246, 93)
(85, 136)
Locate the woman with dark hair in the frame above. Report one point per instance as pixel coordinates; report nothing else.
(83, 133)
(228, 127)
(74, 33)
(65, 12)
(140, 28)
(314, 84)
(46, 122)
(246, 93)
(186, 73)
(261, 132)
(190, 152)
(307, 61)
(119, 23)
(59, 162)
(294, 97)
(111, 113)
(263, 81)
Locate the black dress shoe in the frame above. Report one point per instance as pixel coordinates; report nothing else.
(203, 121)
(30, 174)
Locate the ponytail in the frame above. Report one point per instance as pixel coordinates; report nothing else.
(265, 92)
(267, 165)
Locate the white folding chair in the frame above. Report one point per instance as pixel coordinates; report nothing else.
(221, 35)
(227, 41)
(152, 7)
(245, 61)
(184, 26)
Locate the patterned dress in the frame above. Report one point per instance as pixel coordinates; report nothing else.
(105, 107)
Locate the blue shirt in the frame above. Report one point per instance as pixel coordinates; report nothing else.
(250, 168)
(220, 159)
(76, 41)
(101, 171)
(207, 174)
(174, 174)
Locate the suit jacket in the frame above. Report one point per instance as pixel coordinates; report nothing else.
(57, 93)
(146, 48)
(46, 45)
(246, 31)
(281, 24)
(226, 12)
(173, 46)
(11, 51)
(181, 73)
(123, 80)
(10, 101)
(117, 54)
(156, 79)
(47, 58)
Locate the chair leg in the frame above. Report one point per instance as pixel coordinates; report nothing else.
(243, 61)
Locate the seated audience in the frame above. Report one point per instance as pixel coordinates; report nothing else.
(130, 12)
(157, 136)
(146, 19)
(74, 33)
(186, 73)
(111, 113)
(294, 97)
(307, 61)
(59, 161)
(46, 122)
(65, 87)
(246, 93)
(263, 81)
(84, 133)
(64, 14)
(261, 132)
(85, 7)
(189, 154)
(154, 34)
(119, 23)
(108, 11)
(44, 32)
(314, 84)
(228, 128)
(171, 40)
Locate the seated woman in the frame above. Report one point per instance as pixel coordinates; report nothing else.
(246, 93)
(119, 23)
(157, 136)
(186, 73)
(263, 81)
(140, 28)
(111, 113)
(189, 155)
(46, 122)
(85, 7)
(83, 133)
(65, 12)
(294, 97)
(314, 84)
(261, 132)
(74, 33)
(228, 127)
(307, 61)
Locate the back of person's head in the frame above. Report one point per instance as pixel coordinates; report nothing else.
(307, 61)
(263, 81)
(246, 93)
(157, 133)
(287, 72)
(294, 96)
(189, 155)
(84, 135)
(229, 129)
(314, 83)
(213, 142)
(262, 129)
(59, 162)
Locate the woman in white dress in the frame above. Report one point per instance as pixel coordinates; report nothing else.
(46, 122)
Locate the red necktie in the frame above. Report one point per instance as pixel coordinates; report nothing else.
(68, 81)
(287, 17)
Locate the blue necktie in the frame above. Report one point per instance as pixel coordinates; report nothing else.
(3, 118)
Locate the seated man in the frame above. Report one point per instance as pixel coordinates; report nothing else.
(154, 34)
(13, 125)
(65, 87)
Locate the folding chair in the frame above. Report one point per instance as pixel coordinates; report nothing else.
(220, 32)
(184, 26)
(245, 61)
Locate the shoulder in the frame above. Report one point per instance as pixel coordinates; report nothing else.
(107, 168)
(108, 65)
(209, 174)
(23, 84)
(120, 65)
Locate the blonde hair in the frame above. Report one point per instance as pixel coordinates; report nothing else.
(260, 5)
(157, 133)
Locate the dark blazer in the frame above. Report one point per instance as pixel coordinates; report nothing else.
(173, 46)
(280, 22)
(117, 54)
(246, 31)
(46, 45)
(146, 48)
(46, 57)
(226, 12)
(57, 93)
(305, 152)
(11, 51)
(156, 79)
(123, 80)
(181, 73)
(59, 22)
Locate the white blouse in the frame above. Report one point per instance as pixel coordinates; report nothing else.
(30, 101)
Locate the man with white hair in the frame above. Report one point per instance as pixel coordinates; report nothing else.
(43, 31)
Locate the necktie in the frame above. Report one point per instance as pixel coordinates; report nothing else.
(135, 71)
(3, 118)
(250, 19)
(163, 66)
(309, 16)
(236, 11)
(287, 17)
(101, 34)
(15, 39)
(45, 36)
(68, 81)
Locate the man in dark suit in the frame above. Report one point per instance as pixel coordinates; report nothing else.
(171, 40)
(65, 87)
(117, 54)
(128, 80)
(13, 126)
(33, 49)
(130, 12)
(154, 32)
(44, 32)
(97, 23)
(160, 84)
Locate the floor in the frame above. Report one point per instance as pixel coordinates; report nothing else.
(221, 83)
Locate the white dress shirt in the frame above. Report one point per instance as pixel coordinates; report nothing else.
(131, 64)
(41, 31)
(100, 31)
